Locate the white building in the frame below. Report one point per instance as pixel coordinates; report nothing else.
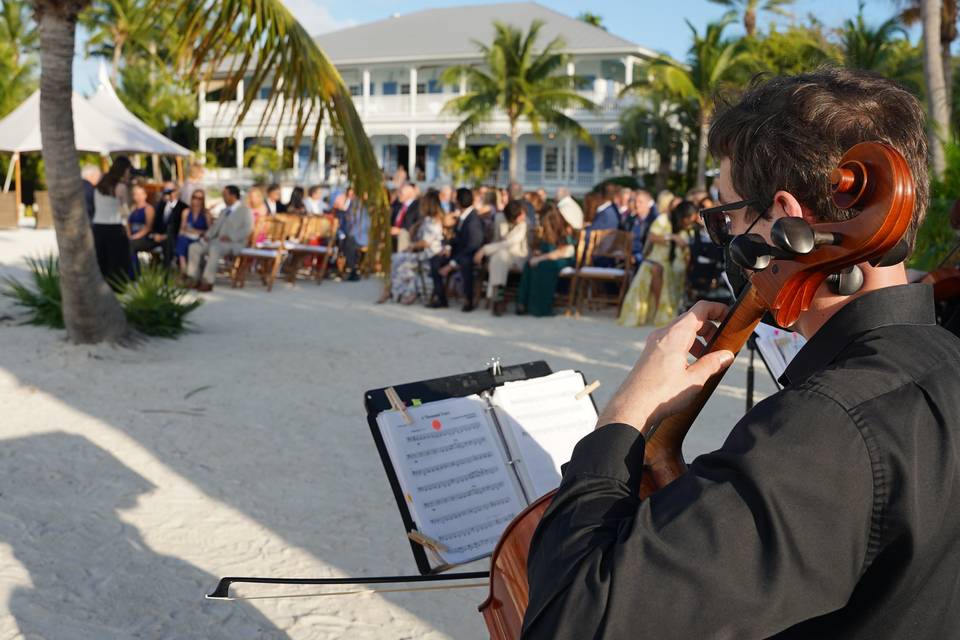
(393, 68)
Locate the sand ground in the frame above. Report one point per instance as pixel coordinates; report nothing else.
(130, 479)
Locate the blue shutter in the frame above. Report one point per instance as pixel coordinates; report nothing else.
(389, 88)
(433, 160)
(534, 157)
(607, 157)
(504, 159)
(584, 159)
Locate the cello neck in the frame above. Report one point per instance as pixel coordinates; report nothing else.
(666, 438)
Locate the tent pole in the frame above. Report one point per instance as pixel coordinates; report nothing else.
(179, 170)
(6, 183)
(16, 159)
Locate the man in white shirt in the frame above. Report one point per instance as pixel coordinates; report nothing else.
(314, 201)
(166, 222)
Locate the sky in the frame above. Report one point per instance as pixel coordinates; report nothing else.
(654, 24)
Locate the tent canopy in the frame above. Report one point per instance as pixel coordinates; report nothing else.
(101, 125)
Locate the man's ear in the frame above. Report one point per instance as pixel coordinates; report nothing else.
(786, 205)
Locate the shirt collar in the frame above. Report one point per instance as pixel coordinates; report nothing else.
(908, 304)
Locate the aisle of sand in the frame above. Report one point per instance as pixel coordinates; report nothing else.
(130, 479)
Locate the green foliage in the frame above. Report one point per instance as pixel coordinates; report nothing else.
(883, 48)
(936, 238)
(42, 301)
(18, 64)
(263, 160)
(469, 165)
(749, 8)
(794, 50)
(591, 19)
(157, 96)
(155, 304)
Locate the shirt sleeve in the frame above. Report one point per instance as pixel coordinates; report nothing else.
(770, 530)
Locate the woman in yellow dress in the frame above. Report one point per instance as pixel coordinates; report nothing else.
(657, 289)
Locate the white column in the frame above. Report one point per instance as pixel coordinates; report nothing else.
(202, 97)
(462, 142)
(365, 104)
(202, 144)
(413, 89)
(628, 70)
(239, 139)
(412, 155)
(463, 83)
(568, 163)
(279, 143)
(597, 159)
(322, 152)
(240, 90)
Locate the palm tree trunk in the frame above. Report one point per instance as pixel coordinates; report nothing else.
(702, 150)
(939, 113)
(514, 152)
(663, 172)
(117, 57)
(750, 22)
(947, 61)
(91, 312)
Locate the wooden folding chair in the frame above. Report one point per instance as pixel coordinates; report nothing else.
(316, 240)
(265, 256)
(614, 245)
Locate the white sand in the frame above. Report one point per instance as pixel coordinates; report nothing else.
(122, 500)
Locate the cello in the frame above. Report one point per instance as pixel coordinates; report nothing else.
(871, 179)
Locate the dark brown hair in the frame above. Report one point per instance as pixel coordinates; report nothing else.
(789, 132)
(430, 205)
(117, 173)
(554, 225)
(513, 210)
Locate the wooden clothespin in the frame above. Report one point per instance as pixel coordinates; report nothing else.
(587, 390)
(427, 541)
(397, 404)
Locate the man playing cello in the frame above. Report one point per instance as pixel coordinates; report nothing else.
(830, 510)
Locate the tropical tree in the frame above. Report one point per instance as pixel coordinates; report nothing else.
(911, 14)
(657, 125)
(794, 50)
(938, 109)
(267, 39)
(749, 8)
(711, 63)
(472, 166)
(17, 30)
(592, 19)
(522, 82)
(116, 24)
(869, 47)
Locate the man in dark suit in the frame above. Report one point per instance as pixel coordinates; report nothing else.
(166, 221)
(459, 253)
(274, 205)
(608, 214)
(91, 176)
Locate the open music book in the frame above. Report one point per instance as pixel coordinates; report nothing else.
(777, 347)
(468, 465)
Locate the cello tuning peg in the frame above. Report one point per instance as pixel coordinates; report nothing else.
(750, 251)
(846, 282)
(895, 256)
(795, 236)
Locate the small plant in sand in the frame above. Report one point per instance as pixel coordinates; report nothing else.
(154, 304)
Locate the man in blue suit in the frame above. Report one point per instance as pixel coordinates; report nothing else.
(608, 214)
(459, 253)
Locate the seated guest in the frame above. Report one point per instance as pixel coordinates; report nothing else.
(226, 238)
(91, 176)
(608, 215)
(556, 250)
(459, 253)
(516, 193)
(259, 209)
(404, 214)
(273, 200)
(192, 227)
(509, 250)
(353, 232)
(296, 205)
(407, 267)
(167, 221)
(140, 226)
(651, 298)
(641, 213)
(314, 201)
(446, 198)
(683, 219)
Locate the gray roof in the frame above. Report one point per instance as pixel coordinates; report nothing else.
(450, 33)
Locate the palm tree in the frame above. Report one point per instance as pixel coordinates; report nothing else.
(656, 125)
(520, 82)
(750, 9)
(868, 47)
(592, 19)
(711, 63)
(937, 106)
(114, 24)
(911, 14)
(17, 29)
(268, 39)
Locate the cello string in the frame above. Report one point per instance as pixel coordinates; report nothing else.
(361, 591)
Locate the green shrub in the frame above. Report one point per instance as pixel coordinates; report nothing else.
(42, 301)
(936, 238)
(155, 304)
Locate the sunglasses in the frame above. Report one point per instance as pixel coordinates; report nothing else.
(717, 222)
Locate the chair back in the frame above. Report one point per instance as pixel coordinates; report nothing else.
(293, 223)
(608, 243)
(322, 227)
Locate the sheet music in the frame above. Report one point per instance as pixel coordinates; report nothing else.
(778, 347)
(543, 421)
(453, 474)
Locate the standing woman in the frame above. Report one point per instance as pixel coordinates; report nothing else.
(110, 206)
(139, 226)
(193, 226)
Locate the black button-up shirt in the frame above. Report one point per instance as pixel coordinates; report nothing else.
(831, 511)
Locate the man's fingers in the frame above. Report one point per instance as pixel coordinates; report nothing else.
(709, 311)
(710, 364)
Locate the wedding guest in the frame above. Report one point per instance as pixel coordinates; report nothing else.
(139, 226)
(407, 268)
(608, 214)
(167, 221)
(227, 237)
(296, 205)
(516, 193)
(111, 205)
(404, 214)
(258, 206)
(557, 249)
(446, 198)
(91, 176)
(459, 253)
(508, 251)
(274, 205)
(641, 213)
(193, 226)
(353, 233)
(194, 181)
(314, 201)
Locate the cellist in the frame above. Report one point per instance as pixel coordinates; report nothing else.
(830, 511)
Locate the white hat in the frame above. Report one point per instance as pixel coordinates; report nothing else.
(571, 212)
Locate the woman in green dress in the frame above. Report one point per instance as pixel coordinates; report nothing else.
(556, 250)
